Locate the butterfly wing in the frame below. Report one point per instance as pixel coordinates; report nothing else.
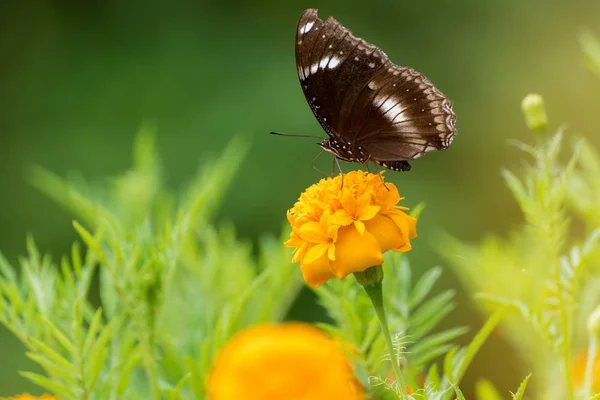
(403, 116)
(359, 96)
(330, 63)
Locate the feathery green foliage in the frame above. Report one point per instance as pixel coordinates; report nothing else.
(413, 317)
(166, 304)
(539, 270)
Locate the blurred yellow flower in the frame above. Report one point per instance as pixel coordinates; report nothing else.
(289, 361)
(27, 396)
(578, 371)
(344, 224)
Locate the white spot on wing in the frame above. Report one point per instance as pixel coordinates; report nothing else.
(372, 85)
(323, 62)
(371, 65)
(307, 27)
(334, 62)
(314, 68)
(391, 109)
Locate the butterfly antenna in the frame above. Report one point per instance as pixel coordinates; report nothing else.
(289, 135)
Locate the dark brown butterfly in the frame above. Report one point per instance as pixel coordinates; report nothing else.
(371, 109)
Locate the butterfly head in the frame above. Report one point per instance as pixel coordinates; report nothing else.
(345, 151)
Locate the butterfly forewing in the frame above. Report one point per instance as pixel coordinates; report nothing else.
(331, 76)
(364, 101)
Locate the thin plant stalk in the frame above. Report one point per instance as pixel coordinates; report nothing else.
(375, 294)
(589, 366)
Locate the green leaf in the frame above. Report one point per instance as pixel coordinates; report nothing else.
(197, 378)
(66, 373)
(53, 355)
(424, 286)
(449, 363)
(473, 348)
(459, 394)
(59, 390)
(174, 394)
(517, 188)
(60, 336)
(93, 330)
(485, 390)
(433, 378)
(430, 314)
(437, 339)
(90, 241)
(382, 392)
(521, 391)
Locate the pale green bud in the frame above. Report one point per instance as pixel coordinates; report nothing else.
(594, 323)
(534, 111)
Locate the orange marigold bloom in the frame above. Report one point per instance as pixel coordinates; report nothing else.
(27, 396)
(344, 224)
(290, 361)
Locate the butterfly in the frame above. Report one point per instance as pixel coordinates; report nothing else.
(371, 109)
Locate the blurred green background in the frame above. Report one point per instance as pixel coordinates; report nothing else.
(77, 79)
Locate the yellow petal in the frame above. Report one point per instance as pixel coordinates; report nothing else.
(299, 252)
(341, 218)
(315, 252)
(312, 233)
(388, 234)
(407, 225)
(349, 202)
(368, 213)
(283, 361)
(331, 252)
(355, 252)
(360, 226)
(318, 272)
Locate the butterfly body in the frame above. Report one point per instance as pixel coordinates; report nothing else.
(345, 151)
(371, 109)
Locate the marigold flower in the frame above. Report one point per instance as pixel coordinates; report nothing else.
(27, 396)
(283, 361)
(344, 224)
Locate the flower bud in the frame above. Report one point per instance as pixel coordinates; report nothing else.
(594, 323)
(370, 276)
(534, 111)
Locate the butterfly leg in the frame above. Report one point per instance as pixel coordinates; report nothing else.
(312, 164)
(336, 161)
(379, 173)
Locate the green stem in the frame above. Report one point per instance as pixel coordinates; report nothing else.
(589, 366)
(375, 293)
(145, 343)
(554, 246)
(566, 344)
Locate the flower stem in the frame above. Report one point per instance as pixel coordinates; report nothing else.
(589, 366)
(375, 293)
